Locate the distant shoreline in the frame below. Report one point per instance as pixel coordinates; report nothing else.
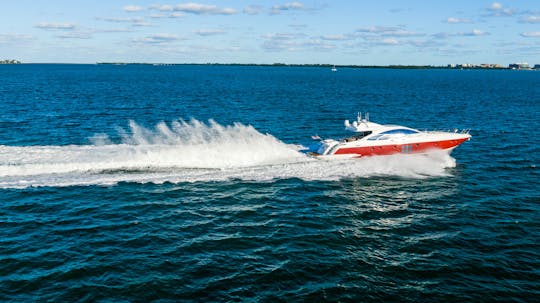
(10, 61)
(279, 65)
(283, 65)
(354, 66)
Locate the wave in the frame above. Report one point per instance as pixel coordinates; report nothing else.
(193, 151)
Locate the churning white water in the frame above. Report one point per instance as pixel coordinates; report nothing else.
(190, 152)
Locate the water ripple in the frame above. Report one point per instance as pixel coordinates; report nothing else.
(124, 219)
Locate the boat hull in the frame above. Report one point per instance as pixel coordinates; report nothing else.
(373, 139)
(407, 148)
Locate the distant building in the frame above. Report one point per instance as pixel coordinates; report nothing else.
(520, 65)
(490, 65)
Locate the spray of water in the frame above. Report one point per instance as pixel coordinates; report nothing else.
(193, 151)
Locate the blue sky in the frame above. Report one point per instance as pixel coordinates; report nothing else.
(379, 32)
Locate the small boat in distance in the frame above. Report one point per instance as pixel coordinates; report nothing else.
(372, 139)
(334, 69)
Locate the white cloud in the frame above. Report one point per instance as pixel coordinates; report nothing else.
(13, 38)
(425, 43)
(195, 8)
(531, 19)
(497, 10)
(388, 31)
(276, 45)
(132, 8)
(76, 35)
(158, 38)
(158, 16)
(442, 35)
(402, 33)
(475, 32)
(317, 44)
(531, 34)
(298, 26)
(167, 15)
(458, 20)
(495, 6)
(142, 24)
(377, 29)
(135, 21)
(293, 42)
(202, 9)
(335, 37)
(389, 41)
(162, 8)
(283, 36)
(113, 30)
(113, 19)
(507, 12)
(209, 32)
(56, 26)
(277, 9)
(456, 51)
(388, 36)
(253, 9)
(176, 15)
(289, 6)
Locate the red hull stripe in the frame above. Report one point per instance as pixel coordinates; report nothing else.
(411, 148)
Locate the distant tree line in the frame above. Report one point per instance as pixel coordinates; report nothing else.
(10, 61)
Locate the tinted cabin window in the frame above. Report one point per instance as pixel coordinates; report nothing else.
(399, 131)
(358, 136)
(362, 134)
(383, 135)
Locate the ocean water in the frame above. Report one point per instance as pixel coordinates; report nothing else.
(184, 183)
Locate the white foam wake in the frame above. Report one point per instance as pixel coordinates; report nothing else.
(189, 152)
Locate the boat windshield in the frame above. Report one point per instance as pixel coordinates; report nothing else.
(389, 133)
(405, 131)
(358, 136)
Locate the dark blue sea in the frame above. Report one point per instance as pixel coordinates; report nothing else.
(140, 183)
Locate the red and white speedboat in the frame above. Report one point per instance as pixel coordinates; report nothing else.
(372, 139)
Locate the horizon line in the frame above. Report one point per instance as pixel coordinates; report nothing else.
(446, 66)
